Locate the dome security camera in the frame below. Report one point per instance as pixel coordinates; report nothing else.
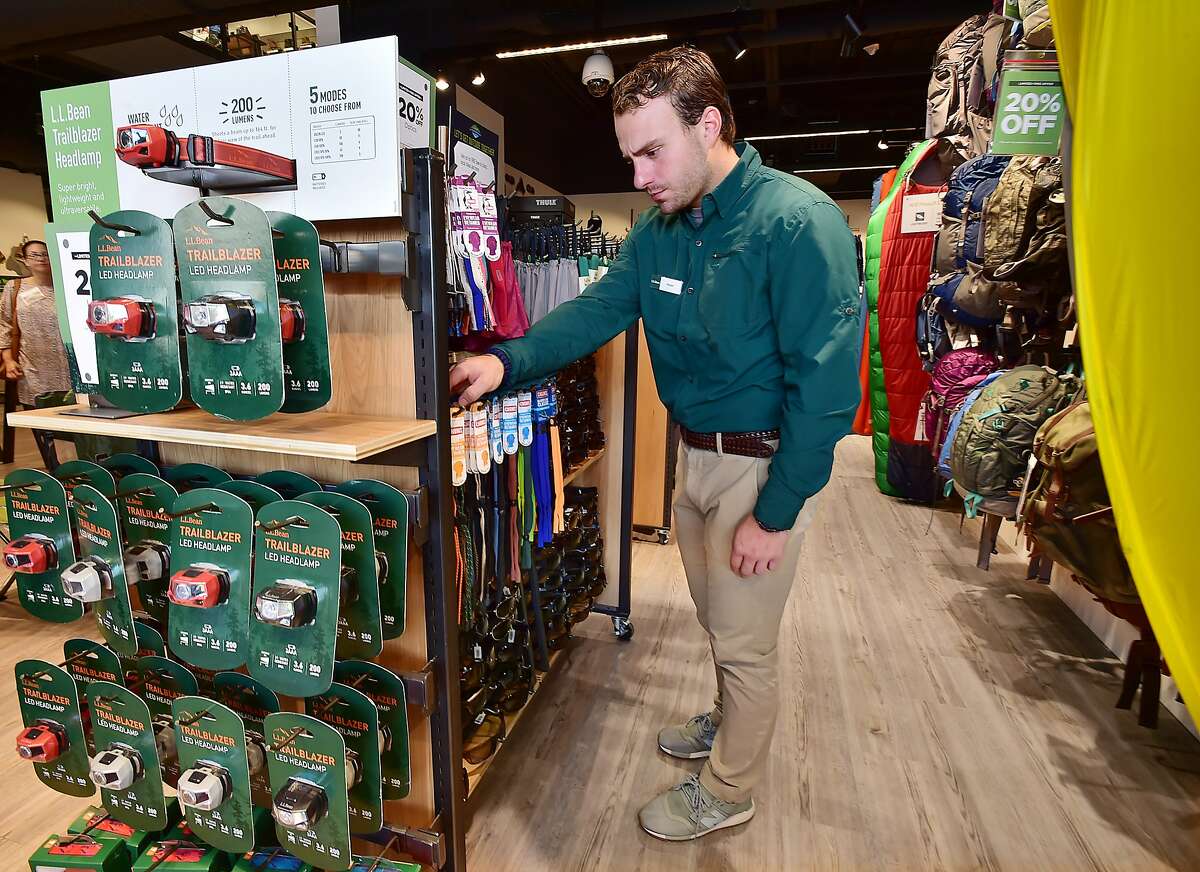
(598, 73)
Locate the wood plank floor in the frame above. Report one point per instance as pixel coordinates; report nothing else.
(934, 717)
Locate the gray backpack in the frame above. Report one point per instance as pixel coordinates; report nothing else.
(958, 102)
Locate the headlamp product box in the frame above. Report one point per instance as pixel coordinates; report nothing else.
(270, 860)
(80, 854)
(111, 830)
(182, 855)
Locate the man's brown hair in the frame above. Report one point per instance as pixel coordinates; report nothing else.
(686, 76)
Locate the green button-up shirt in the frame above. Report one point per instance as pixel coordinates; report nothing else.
(751, 317)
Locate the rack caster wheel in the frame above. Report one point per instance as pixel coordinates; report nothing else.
(664, 537)
(623, 629)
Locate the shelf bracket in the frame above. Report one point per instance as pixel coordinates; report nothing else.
(391, 257)
(426, 846)
(420, 688)
(418, 511)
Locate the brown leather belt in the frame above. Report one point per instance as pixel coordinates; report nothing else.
(742, 444)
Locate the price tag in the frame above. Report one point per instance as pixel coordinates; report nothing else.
(1031, 106)
(921, 213)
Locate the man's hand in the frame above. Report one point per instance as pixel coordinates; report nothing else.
(476, 376)
(12, 371)
(755, 551)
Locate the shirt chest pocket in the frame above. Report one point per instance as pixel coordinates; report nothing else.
(736, 281)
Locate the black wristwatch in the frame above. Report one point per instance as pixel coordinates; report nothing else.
(765, 528)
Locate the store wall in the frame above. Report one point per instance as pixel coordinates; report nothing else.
(858, 213)
(22, 208)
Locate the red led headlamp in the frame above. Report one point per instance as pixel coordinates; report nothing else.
(149, 147)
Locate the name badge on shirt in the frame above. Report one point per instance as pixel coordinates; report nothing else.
(670, 285)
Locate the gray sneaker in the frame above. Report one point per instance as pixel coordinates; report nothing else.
(687, 811)
(689, 741)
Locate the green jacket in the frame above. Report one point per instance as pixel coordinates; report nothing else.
(752, 321)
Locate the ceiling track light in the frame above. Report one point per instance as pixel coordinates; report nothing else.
(441, 83)
(479, 79)
(736, 46)
(580, 46)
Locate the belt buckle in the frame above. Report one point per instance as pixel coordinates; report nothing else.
(720, 447)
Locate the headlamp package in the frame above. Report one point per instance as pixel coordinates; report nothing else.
(252, 701)
(208, 590)
(389, 510)
(359, 627)
(133, 313)
(144, 508)
(307, 762)
(384, 688)
(125, 765)
(214, 785)
(42, 544)
(98, 576)
(295, 596)
(307, 383)
(353, 714)
(52, 738)
(162, 682)
(230, 308)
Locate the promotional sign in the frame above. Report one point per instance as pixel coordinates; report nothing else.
(41, 544)
(386, 690)
(389, 516)
(315, 133)
(230, 308)
(126, 762)
(473, 149)
(253, 701)
(307, 382)
(102, 562)
(144, 502)
(360, 634)
(212, 754)
(68, 242)
(53, 739)
(1030, 108)
(133, 312)
(308, 782)
(352, 713)
(297, 571)
(211, 545)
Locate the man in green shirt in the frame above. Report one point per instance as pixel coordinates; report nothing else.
(746, 281)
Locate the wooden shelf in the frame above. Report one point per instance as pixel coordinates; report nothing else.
(315, 434)
(583, 467)
(475, 775)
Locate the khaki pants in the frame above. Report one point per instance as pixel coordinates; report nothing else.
(713, 493)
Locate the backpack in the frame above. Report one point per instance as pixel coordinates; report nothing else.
(958, 239)
(969, 297)
(933, 342)
(959, 97)
(943, 458)
(1035, 19)
(1010, 213)
(954, 377)
(994, 439)
(1067, 513)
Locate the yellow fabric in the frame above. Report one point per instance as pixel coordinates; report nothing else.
(1132, 75)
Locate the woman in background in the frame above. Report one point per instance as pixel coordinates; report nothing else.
(31, 345)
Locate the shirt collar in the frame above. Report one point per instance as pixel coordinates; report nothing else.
(726, 194)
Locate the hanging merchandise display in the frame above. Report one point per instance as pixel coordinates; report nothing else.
(353, 714)
(211, 540)
(307, 382)
(389, 524)
(310, 778)
(252, 701)
(1148, 458)
(98, 576)
(359, 627)
(41, 544)
(296, 594)
(289, 484)
(385, 689)
(255, 494)
(230, 308)
(214, 787)
(144, 503)
(121, 465)
(133, 312)
(161, 682)
(189, 476)
(53, 736)
(126, 766)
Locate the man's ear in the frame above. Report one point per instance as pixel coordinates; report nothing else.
(711, 122)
